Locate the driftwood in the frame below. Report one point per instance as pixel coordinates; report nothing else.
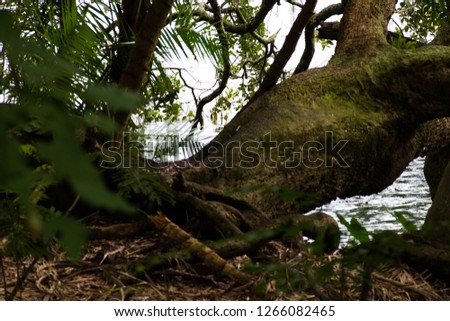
(214, 254)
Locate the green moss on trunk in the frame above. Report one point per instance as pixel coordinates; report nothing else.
(374, 104)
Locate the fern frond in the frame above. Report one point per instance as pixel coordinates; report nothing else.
(144, 187)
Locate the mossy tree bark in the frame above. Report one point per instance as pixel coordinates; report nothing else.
(347, 129)
(437, 223)
(334, 132)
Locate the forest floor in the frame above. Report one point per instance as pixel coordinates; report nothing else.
(292, 274)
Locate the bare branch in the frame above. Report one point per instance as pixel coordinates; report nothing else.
(295, 3)
(308, 53)
(270, 50)
(226, 73)
(290, 43)
(192, 89)
(204, 15)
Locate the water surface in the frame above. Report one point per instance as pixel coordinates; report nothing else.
(408, 195)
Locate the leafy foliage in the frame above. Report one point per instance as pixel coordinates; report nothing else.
(324, 43)
(422, 18)
(144, 187)
(69, 233)
(40, 128)
(408, 225)
(188, 35)
(404, 43)
(355, 228)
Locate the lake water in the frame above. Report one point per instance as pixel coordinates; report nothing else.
(408, 195)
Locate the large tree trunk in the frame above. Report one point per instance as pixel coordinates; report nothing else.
(149, 31)
(332, 132)
(363, 28)
(347, 129)
(437, 223)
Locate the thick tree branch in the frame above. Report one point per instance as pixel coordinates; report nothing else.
(290, 43)
(263, 41)
(251, 25)
(443, 36)
(310, 48)
(323, 15)
(371, 107)
(131, 17)
(363, 28)
(330, 31)
(178, 236)
(140, 58)
(264, 9)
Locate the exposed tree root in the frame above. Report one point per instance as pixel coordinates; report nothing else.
(219, 216)
(410, 249)
(212, 260)
(117, 231)
(213, 218)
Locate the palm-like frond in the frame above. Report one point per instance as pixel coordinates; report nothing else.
(78, 34)
(189, 36)
(87, 36)
(192, 41)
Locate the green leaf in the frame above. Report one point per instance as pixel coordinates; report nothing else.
(70, 234)
(409, 226)
(8, 34)
(102, 122)
(71, 163)
(355, 228)
(116, 98)
(15, 175)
